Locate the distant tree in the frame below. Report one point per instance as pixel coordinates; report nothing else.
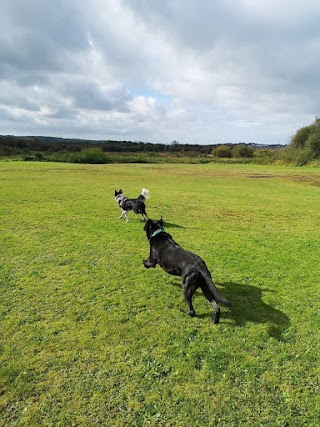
(39, 156)
(222, 151)
(300, 138)
(307, 141)
(242, 150)
(313, 143)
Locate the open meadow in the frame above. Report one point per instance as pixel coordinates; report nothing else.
(89, 337)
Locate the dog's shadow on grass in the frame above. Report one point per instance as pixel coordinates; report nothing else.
(248, 306)
(167, 224)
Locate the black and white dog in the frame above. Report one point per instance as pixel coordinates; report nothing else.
(175, 260)
(136, 205)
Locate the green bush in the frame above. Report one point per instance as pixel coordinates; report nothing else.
(298, 157)
(29, 158)
(242, 150)
(300, 138)
(222, 151)
(89, 155)
(305, 144)
(39, 157)
(313, 143)
(266, 156)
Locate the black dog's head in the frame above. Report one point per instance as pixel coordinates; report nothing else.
(116, 193)
(151, 226)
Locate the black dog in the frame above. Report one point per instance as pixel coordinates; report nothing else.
(180, 262)
(136, 205)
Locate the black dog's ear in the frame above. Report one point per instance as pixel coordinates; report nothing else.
(161, 222)
(120, 191)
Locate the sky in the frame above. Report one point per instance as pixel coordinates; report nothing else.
(196, 71)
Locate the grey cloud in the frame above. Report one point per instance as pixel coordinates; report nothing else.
(230, 69)
(277, 47)
(18, 100)
(90, 96)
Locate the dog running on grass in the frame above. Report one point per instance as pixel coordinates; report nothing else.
(175, 260)
(136, 205)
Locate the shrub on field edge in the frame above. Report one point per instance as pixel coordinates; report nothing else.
(222, 151)
(89, 155)
(241, 150)
(305, 144)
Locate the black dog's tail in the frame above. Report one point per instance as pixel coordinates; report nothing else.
(213, 290)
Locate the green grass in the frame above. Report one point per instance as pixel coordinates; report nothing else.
(91, 338)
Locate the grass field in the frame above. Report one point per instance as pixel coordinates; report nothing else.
(91, 338)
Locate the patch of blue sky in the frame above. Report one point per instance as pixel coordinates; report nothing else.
(149, 92)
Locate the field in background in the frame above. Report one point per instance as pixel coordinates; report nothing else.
(91, 338)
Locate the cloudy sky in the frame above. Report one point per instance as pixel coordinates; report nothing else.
(196, 71)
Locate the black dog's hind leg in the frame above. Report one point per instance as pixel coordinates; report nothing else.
(216, 308)
(189, 286)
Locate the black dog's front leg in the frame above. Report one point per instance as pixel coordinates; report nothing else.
(151, 261)
(147, 263)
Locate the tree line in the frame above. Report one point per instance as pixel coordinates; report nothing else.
(13, 145)
(21, 145)
(304, 148)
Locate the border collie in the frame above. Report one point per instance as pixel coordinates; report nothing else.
(136, 205)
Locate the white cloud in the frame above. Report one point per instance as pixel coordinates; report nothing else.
(196, 72)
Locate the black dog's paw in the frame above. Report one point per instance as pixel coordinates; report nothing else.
(191, 313)
(146, 263)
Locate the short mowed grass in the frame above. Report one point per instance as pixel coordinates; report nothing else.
(89, 337)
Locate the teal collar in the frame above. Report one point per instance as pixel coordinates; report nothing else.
(160, 230)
